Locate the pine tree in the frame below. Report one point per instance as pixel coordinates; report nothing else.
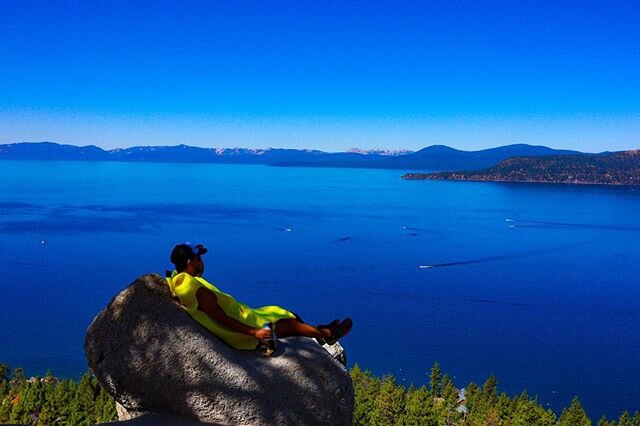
(5, 407)
(435, 381)
(530, 412)
(18, 378)
(625, 419)
(419, 408)
(449, 408)
(77, 407)
(388, 406)
(549, 415)
(38, 392)
(574, 415)
(483, 403)
(492, 418)
(503, 406)
(366, 388)
(63, 395)
(18, 386)
(490, 390)
(4, 372)
(472, 392)
(4, 389)
(47, 414)
(23, 402)
(524, 413)
(105, 407)
(86, 395)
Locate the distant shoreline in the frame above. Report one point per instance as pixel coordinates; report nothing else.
(610, 169)
(418, 176)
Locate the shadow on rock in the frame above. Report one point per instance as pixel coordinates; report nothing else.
(153, 358)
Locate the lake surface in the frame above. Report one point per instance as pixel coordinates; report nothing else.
(538, 284)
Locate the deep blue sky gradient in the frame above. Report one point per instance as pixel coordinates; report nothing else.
(326, 75)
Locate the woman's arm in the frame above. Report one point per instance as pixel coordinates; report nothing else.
(208, 303)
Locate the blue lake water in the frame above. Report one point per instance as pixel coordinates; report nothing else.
(538, 284)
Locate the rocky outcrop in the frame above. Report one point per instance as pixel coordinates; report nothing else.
(153, 358)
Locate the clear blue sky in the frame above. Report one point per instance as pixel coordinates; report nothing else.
(328, 75)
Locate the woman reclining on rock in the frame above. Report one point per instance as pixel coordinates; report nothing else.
(236, 323)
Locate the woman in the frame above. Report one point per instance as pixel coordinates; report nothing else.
(236, 323)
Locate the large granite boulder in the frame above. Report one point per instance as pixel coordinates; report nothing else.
(153, 358)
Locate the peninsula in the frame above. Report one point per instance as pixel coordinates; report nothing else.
(615, 168)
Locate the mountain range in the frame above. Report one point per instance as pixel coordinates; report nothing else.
(433, 158)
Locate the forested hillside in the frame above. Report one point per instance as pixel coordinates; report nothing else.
(618, 168)
(379, 401)
(48, 400)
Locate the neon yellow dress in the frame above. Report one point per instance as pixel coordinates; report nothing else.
(184, 286)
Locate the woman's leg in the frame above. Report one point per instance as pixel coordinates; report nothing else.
(292, 327)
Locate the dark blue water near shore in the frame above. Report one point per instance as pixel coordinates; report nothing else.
(537, 284)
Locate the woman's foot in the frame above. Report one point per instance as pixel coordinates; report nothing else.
(338, 330)
(331, 324)
(327, 329)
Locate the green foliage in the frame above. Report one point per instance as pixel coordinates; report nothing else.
(419, 409)
(378, 402)
(530, 412)
(47, 400)
(448, 404)
(435, 380)
(490, 390)
(384, 402)
(366, 388)
(625, 419)
(18, 378)
(4, 372)
(389, 403)
(574, 415)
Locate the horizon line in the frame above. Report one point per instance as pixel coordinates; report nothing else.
(353, 150)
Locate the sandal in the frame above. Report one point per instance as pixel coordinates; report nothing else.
(338, 330)
(331, 324)
(321, 341)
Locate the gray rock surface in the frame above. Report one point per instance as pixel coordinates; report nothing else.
(153, 358)
(337, 352)
(157, 419)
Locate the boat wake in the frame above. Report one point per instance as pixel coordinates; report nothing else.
(512, 223)
(341, 240)
(518, 255)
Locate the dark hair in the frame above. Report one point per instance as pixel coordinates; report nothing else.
(181, 255)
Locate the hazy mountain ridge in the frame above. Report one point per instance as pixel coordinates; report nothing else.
(384, 152)
(441, 157)
(610, 168)
(436, 157)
